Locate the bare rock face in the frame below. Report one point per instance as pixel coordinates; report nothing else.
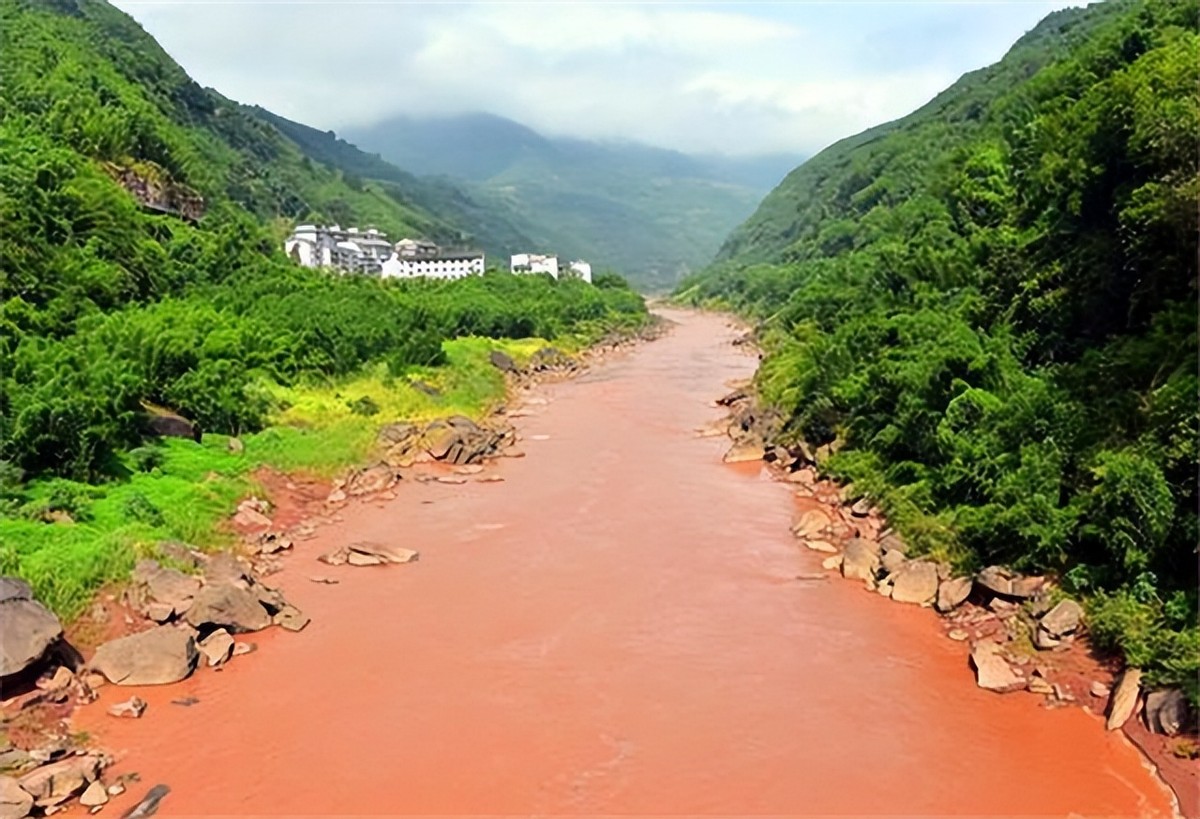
(1124, 698)
(860, 559)
(57, 782)
(155, 657)
(15, 801)
(225, 605)
(953, 593)
(27, 628)
(916, 582)
(1166, 711)
(992, 670)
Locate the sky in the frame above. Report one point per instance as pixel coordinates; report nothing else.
(733, 78)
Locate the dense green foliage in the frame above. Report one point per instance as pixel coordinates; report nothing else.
(652, 213)
(106, 306)
(991, 306)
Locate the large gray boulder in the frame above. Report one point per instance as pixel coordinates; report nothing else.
(1124, 698)
(953, 593)
(992, 670)
(1166, 711)
(1062, 620)
(225, 605)
(27, 628)
(916, 582)
(57, 782)
(161, 655)
(15, 801)
(860, 559)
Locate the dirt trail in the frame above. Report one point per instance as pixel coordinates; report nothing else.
(614, 629)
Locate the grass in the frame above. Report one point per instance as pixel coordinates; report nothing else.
(181, 490)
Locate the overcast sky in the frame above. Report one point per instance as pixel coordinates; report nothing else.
(738, 78)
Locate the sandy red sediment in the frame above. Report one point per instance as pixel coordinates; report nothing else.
(616, 628)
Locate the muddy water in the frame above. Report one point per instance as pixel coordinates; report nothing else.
(615, 629)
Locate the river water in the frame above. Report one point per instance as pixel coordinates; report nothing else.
(616, 629)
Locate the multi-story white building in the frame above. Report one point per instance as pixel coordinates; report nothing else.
(346, 249)
(412, 259)
(579, 269)
(534, 263)
(369, 252)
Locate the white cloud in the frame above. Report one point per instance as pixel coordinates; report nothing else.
(729, 77)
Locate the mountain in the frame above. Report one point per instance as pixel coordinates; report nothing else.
(463, 218)
(987, 312)
(651, 213)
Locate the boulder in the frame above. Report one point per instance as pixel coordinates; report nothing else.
(397, 433)
(27, 628)
(235, 446)
(916, 583)
(161, 655)
(891, 542)
(861, 508)
(371, 479)
(249, 518)
(171, 588)
(811, 522)
(225, 569)
(502, 361)
(229, 606)
(1166, 711)
(133, 708)
(821, 546)
(1043, 641)
(1124, 698)
(892, 561)
(15, 801)
(1061, 620)
(953, 593)
(745, 451)
(832, 562)
(94, 795)
(369, 553)
(57, 782)
(992, 670)
(291, 618)
(1099, 689)
(217, 647)
(1007, 583)
(167, 424)
(860, 560)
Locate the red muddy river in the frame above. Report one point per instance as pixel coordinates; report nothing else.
(613, 630)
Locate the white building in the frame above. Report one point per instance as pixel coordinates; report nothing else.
(412, 259)
(348, 250)
(534, 263)
(580, 269)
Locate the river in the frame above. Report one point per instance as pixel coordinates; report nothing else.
(615, 629)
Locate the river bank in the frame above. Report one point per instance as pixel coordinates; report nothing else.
(616, 627)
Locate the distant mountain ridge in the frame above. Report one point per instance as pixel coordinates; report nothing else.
(651, 213)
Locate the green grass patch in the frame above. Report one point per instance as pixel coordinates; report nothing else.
(180, 490)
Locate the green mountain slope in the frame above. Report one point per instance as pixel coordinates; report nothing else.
(651, 213)
(141, 269)
(988, 307)
(463, 218)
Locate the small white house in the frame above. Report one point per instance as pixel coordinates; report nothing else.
(534, 263)
(581, 270)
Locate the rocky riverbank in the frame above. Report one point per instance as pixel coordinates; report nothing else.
(184, 612)
(1019, 633)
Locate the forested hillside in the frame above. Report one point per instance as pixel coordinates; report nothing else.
(140, 221)
(988, 310)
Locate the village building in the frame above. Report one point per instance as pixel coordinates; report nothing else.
(348, 250)
(415, 259)
(549, 264)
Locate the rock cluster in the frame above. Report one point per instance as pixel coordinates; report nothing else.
(1008, 618)
(28, 629)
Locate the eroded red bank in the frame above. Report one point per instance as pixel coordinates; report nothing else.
(614, 629)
